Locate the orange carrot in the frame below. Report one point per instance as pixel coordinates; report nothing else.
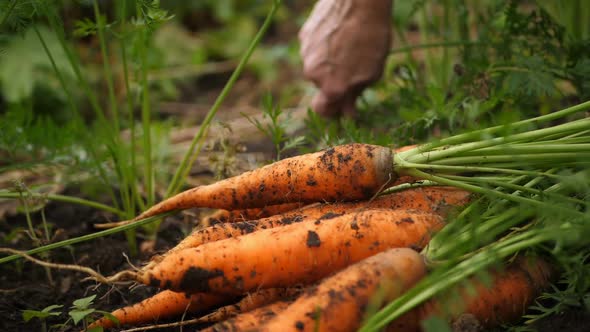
(229, 230)
(168, 304)
(222, 216)
(250, 320)
(435, 199)
(506, 300)
(165, 304)
(250, 302)
(346, 172)
(427, 199)
(339, 302)
(288, 255)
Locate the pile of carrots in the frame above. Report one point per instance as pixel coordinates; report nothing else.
(308, 244)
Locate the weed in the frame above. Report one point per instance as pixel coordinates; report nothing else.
(276, 129)
(42, 314)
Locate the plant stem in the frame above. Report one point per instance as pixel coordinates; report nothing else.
(69, 199)
(544, 158)
(145, 115)
(531, 148)
(481, 190)
(86, 237)
(470, 136)
(417, 155)
(25, 205)
(60, 77)
(197, 142)
(514, 187)
(108, 73)
(470, 169)
(131, 175)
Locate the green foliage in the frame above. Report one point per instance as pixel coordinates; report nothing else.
(276, 128)
(80, 309)
(25, 65)
(41, 314)
(572, 292)
(80, 312)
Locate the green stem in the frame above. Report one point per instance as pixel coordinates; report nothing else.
(108, 73)
(405, 186)
(483, 191)
(86, 237)
(60, 77)
(58, 28)
(470, 169)
(131, 174)
(554, 158)
(25, 205)
(503, 184)
(69, 199)
(146, 122)
(470, 136)
(531, 148)
(417, 155)
(197, 142)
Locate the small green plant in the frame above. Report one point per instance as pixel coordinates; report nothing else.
(81, 311)
(42, 314)
(276, 129)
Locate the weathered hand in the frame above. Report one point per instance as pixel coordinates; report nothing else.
(344, 44)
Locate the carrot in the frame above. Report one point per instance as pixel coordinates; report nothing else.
(340, 301)
(222, 216)
(230, 230)
(345, 172)
(248, 321)
(506, 300)
(429, 200)
(435, 199)
(168, 304)
(165, 304)
(284, 256)
(250, 302)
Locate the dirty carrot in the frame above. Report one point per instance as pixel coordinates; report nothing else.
(250, 302)
(249, 321)
(222, 216)
(511, 292)
(288, 255)
(230, 230)
(168, 304)
(345, 172)
(338, 303)
(165, 304)
(429, 200)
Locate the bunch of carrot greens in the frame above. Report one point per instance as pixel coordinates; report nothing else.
(534, 187)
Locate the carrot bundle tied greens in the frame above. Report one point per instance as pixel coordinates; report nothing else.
(341, 240)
